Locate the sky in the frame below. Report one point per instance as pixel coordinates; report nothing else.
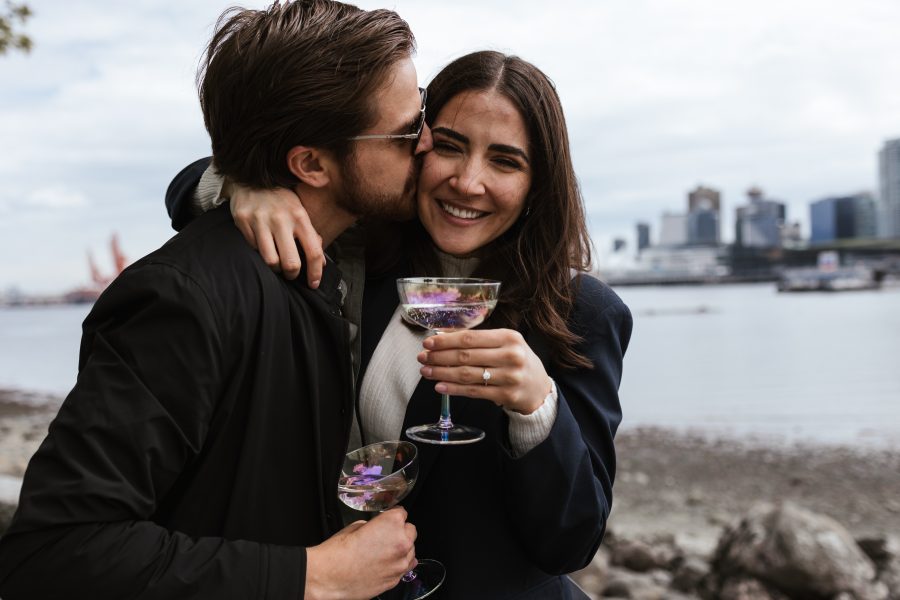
(794, 96)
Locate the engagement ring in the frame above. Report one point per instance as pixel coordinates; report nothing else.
(485, 376)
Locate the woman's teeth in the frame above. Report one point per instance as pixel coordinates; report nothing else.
(460, 212)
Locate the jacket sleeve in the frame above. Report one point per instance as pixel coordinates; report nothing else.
(559, 494)
(150, 372)
(180, 193)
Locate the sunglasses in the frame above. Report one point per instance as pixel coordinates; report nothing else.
(420, 125)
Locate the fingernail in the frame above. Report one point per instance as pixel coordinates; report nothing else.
(315, 284)
(422, 357)
(425, 371)
(441, 388)
(428, 343)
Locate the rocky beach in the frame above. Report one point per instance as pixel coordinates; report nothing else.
(693, 516)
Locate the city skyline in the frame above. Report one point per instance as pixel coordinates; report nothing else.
(659, 98)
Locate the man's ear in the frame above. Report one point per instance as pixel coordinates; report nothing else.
(312, 166)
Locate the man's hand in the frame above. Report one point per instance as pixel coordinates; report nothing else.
(362, 560)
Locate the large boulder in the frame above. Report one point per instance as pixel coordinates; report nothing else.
(796, 552)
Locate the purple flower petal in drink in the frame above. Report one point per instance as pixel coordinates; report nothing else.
(362, 469)
(444, 296)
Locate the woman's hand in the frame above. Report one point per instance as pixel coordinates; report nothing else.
(271, 220)
(518, 380)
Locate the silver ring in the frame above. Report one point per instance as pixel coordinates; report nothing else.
(485, 376)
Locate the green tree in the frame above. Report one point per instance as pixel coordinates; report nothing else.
(11, 16)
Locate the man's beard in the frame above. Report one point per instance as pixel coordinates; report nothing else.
(359, 199)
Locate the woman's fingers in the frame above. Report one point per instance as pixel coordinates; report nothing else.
(266, 245)
(311, 242)
(283, 233)
(479, 338)
(468, 375)
(496, 357)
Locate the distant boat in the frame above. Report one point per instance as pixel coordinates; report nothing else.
(829, 277)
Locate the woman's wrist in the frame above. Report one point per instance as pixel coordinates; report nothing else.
(528, 430)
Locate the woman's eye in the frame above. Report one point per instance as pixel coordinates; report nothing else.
(507, 163)
(445, 146)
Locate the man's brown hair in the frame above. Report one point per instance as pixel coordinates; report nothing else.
(298, 73)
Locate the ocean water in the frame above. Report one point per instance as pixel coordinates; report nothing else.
(737, 360)
(744, 360)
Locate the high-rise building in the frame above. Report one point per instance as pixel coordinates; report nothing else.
(842, 218)
(703, 227)
(759, 223)
(674, 230)
(643, 236)
(704, 206)
(889, 202)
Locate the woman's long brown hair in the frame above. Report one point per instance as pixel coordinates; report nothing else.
(535, 258)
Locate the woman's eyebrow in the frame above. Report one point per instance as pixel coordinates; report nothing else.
(451, 133)
(504, 148)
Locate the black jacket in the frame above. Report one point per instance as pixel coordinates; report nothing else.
(199, 451)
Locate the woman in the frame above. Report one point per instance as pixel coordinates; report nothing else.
(497, 198)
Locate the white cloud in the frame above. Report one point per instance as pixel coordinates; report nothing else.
(55, 198)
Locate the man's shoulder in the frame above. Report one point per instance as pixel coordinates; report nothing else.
(208, 249)
(210, 256)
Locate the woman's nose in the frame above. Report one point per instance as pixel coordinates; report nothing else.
(469, 180)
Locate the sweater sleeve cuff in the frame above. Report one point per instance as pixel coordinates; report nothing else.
(527, 431)
(208, 194)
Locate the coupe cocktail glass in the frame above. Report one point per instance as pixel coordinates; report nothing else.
(375, 478)
(444, 305)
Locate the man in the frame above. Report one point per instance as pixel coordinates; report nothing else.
(198, 454)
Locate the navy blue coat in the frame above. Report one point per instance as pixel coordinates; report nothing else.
(509, 527)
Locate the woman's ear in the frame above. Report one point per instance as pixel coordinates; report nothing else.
(312, 166)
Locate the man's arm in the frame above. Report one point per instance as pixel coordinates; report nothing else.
(153, 362)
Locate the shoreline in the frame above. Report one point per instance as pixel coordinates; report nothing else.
(685, 485)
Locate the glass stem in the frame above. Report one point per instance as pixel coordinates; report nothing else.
(444, 422)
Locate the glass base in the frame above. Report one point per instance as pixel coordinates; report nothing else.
(433, 434)
(429, 577)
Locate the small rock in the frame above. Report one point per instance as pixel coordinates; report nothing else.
(880, 549)
(688, 575)
(638, 586)
(745, 588)
(637, 556)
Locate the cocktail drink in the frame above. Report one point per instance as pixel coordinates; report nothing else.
(444, 305)
(375, 478)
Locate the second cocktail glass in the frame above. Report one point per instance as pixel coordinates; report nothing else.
(444, 305)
